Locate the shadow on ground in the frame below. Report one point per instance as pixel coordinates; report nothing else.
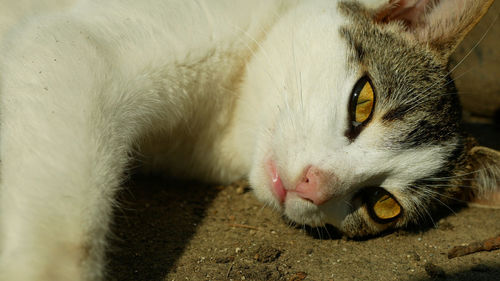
(156, 219)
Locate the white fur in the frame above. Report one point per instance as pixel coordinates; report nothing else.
(82, 87)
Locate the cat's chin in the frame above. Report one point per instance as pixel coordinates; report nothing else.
(302, 212)
(294, 208)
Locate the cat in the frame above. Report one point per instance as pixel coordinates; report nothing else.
(338, 112)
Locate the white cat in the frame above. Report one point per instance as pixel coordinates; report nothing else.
(337, 112)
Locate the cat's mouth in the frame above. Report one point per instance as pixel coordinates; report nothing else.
(277, 187)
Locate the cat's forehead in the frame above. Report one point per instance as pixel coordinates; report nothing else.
(387, 53)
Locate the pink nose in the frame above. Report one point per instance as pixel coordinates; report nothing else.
(313, 186)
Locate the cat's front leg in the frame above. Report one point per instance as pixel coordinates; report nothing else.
(68, 120)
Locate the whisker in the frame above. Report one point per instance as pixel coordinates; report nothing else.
(452, 177)
(424, 99)
(475, 45)
(434, 192)
(319, 233)
(458, 64)
(260, 47)
(431, 194)
(430, 217)
(327, 232)
(348, 203)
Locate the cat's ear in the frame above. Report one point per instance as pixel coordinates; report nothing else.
(485, 176)
(441, 24)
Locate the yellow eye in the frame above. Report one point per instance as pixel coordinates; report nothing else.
(386, 208)
(362, 101)
(364, 104)
(382, 206)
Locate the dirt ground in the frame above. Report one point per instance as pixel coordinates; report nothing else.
(171, 230)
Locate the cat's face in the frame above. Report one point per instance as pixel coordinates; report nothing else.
(360, 124)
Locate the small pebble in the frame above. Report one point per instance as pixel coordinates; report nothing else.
(298, 276)
(224, 259)
(240, 190)
(267, 254)
(444, 225)
(413, 255)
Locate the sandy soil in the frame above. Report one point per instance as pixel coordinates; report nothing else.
(169, 230)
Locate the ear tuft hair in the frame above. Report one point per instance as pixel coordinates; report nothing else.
(442, 24)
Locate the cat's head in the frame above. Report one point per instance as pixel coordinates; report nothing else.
(360, 123)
